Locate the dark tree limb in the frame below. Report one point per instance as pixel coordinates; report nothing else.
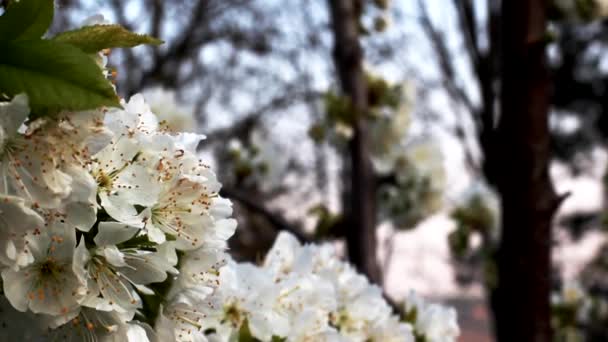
(253, 118)
(449, 81)
(529, 202)
(361, 208)
(484, 67)
(276, 220)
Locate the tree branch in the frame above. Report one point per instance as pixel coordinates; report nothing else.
(444, 59)
(278, 222)
(251, 119)
(528, 199)
(359, 206)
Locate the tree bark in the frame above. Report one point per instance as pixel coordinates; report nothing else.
(529, 201)
(361, 211)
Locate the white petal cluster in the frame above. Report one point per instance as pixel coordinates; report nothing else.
(389, 129)
(299, 293)
(255, 163)
(417, 186)
(432, 322)
(574, 298)
(175, 116)
(95, 207)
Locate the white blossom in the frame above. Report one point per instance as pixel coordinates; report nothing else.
(17, 221)
(26, 167)
(172, 114)
(435, 322)
(50, 284)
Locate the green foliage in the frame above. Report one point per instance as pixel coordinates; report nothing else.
(380, 24)
(381, 93)
(327, 222)
(411, 317)
(340, 113)
(458, 240)
(55, 76)
(317, 132)
(381, 4)
(475, 215)
(587, 9)
(339, 108)
(490, 270)
(245, 335)
(26, 19)
(564, 314)
(579, 10)
(408, 200)
(91, 39)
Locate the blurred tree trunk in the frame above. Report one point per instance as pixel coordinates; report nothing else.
(522, 309)
(361, 211)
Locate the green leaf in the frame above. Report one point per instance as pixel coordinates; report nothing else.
(245, 334)
(95, 38)
(55, 76)
(278, 339)
(26, 19)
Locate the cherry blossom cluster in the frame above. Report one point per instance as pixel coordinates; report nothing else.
(112, 229)
(298, 293)
(95, 209)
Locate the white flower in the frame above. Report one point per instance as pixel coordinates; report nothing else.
(270, 170)
(107, 288)
(50, 284)
(248, 293)
(48, 162)
(192, 309)
(123, 180)
(417, 191)
(26, 167)
(426, 156)
(176, 117)
(301, 293)
(200, 269)
(17, 221)
(435, 322)
(135, 120)
(189, 209)
(159, 171)
(115, 275)
(186, 317)
(573, 292)
(359, 311)
(392, 330)
(187, 206)
(438, 323)
(389, 130)
(95, 325)
(12, 116)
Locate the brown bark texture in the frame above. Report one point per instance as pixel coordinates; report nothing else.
(361, 209)
(521, 298)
